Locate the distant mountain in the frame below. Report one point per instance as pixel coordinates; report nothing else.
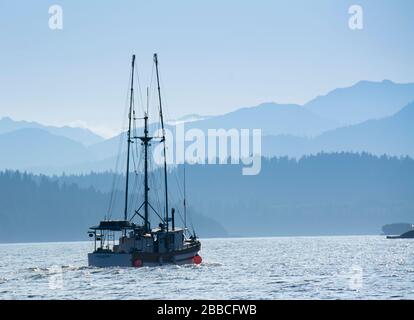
(51, 154)
(272, 118)
(392, 135)
(30, 147)
(344, 106)
(287, 129)
(363, 101)
(84, 136)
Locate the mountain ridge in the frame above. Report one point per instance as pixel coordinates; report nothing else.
(288, 130)
(391, 135)
(363, 101)
(82, 135)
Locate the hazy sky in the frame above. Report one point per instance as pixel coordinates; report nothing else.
(215, 56)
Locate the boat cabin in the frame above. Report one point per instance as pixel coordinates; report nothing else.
(120, 236)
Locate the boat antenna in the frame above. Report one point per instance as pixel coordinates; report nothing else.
(162, 140)
(131, 102)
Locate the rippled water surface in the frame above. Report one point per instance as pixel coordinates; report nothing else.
(363, 267)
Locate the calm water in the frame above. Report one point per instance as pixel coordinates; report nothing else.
(368, 267)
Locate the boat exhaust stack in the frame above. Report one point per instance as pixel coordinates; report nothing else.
(173, 218)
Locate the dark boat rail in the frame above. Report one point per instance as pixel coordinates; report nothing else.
(116, 225)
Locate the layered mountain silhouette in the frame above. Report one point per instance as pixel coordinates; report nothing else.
(272, 119)
(392, 135)
(81, 135)
(373, 117)
(363, 101)
(30, 148)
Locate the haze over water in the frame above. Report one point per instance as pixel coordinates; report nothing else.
(357, 267)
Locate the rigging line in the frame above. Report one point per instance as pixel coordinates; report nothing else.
(149, 204)
(138, 174)
(120, 147)
(165, 101)
(147, 101)
(153, 96)
(150, 96)
(151, 180)
(181, 195)
(137, 155)
(133, 162)
(137, 211)
(139, 88)
(138, 179)
(182, 192)
(116, 178)
(134, 185)
(181, 198)
(191, 222)
(135, 166)
(177, 201)
(160, 174)
(130, 115)
(164, 144)
(165, 111)
(152, 78)
(153, 176)
(180, 215)
(133, 195)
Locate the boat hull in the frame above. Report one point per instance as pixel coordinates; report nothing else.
(143, 259)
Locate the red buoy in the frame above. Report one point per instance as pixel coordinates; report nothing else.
(137, 263)
(197, 259)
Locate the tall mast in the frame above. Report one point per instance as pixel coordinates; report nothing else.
(131, 102)
(145, 140)
(146, 143)
(163, 141)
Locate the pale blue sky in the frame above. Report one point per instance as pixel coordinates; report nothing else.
(215, 56)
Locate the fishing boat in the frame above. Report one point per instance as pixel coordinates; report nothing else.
(131, 241)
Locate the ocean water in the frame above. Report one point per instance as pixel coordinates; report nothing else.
(355, 267)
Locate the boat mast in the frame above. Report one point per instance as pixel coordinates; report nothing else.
(131, 101)
(163, 141)
(145, 141)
